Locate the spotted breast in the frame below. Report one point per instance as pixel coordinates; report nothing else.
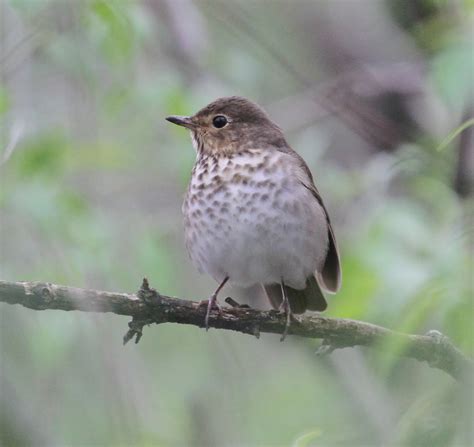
(249, 216)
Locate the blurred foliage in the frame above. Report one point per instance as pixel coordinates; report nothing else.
(92, 180)
(4, 103)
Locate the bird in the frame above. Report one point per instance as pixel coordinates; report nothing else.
(252, 213)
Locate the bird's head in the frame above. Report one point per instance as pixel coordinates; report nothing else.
(229, 125)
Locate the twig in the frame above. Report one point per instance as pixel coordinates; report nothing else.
(148, 306)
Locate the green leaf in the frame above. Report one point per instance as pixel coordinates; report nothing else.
(118, 39)
(306, 439)
(447, 141)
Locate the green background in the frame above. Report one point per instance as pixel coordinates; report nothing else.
(92, 180)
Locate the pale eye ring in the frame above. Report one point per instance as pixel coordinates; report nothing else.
(219, 121)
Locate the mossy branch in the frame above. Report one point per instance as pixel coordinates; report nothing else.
(148, 306)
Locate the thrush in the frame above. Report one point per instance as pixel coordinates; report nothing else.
(252, 214)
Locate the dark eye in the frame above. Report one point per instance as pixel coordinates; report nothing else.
(219, 121)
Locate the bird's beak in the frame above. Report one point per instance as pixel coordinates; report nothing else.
(184, 121)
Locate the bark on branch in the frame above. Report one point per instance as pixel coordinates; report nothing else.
(148, 306)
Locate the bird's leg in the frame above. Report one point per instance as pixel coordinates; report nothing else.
(212, 302)
(285, 307)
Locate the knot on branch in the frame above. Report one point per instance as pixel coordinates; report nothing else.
(147, 294)
(135, 330)
(442, 344)
(326, 348)
(152, 299)
(254, 328)
(41, 293)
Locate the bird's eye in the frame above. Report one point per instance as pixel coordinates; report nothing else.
(219, 121)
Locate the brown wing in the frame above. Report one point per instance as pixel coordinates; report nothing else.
(330, 276)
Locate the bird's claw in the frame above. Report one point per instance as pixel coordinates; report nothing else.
(285, 308)
(210, 304)
(231, 302)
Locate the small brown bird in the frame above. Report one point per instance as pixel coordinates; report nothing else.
(252, 214)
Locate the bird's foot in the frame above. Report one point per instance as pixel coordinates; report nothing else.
(210, 304)
(232, 303)
(285, 308)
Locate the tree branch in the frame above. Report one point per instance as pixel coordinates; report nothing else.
(148, 306)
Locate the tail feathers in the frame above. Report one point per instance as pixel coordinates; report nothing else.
(310, 298)
(314, 296)
(273, 292)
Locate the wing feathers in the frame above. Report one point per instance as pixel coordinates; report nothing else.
(330, 277)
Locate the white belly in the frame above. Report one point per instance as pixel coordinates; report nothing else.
(263, 230)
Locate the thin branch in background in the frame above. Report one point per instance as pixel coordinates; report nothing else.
(15, 136)
(26, 44)
(21, 43)
(148, 306)
(464, 176)
(339, 98)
